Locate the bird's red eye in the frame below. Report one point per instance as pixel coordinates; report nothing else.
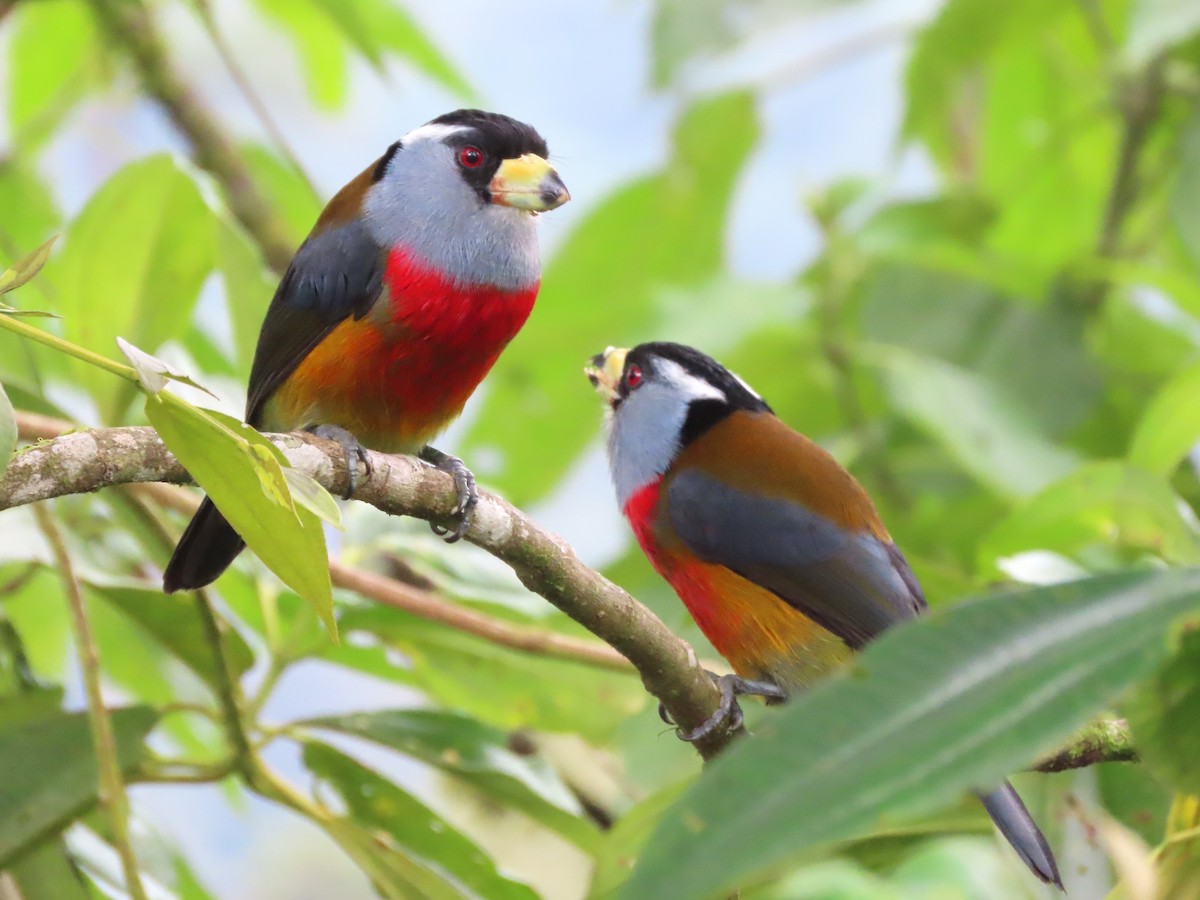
(470, 157)
(633, 377)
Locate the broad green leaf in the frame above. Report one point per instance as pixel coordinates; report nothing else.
(1170, 427)
(374, 27)
(624, 842)
(8, 430)
(1034, 353)
(662, 231)
(1182, 202)
(29, 215)
(951, 50)
(477, 754)
(931, 709)
(306, 492)
(240, 471)
(59, 749)
(1135, 797)
(25, 268)
(495, 684)
(48, 873)
(55, 56)
(432, 855)
(144, 242)
(249, 287)
(987, 432)
(152, 372)
(1101, 503)
(174, 621)
(1164, 715)
(1157, 25)
(293, 200)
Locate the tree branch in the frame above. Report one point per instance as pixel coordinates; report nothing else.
(131, 25)
(85, 461)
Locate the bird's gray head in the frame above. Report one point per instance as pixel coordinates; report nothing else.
(460, 193)
(660, 397)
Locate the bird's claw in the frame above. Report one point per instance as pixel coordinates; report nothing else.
(464, 484)
(356, 453)
(728, 715)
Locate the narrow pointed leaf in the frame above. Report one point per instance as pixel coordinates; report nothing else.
(478, 754)
(240, 470)
(58, 748)
(932, 709)
(26, 267)
(435, 857)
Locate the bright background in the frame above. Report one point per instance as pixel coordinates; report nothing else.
(890, 217)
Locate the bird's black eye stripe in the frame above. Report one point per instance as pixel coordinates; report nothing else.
(381, 166)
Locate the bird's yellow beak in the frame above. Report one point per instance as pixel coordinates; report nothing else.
(604, 371)
(528, 182)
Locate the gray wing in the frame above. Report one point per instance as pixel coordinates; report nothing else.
(852, 584)
(334, 275)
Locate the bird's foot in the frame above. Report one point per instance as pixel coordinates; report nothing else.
(464, 484)
(356, 453)
(728, 715)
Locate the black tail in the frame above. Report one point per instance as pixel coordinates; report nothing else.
(206, 549)
(1019, 829)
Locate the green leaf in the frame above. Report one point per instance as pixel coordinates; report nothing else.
(629, 835)
(408, 838)
(1164, 715)
(477, 754)
(48, 873)
(601, 288)
(931, 709)
(152, 372)
(375, 26)
(55, 55)
(1100, 504)
(25, 268)
(486, 680)
(174, 621)
(8, 430)
(1182, 201)
(1170, 427)
(249, 286)
(145, 240)
(58, 748)
(240, 470)
(985, 429)
(312, 496)
(291, 197)
(1157, 25)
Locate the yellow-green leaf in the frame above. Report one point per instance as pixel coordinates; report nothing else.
(26, 267)
(241, 471)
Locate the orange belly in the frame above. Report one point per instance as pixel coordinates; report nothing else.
(761, 636)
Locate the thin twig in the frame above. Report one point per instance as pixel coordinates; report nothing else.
(112, 788)
(1106, 741)
(250, 95)
(132, 27)
(1139, 98)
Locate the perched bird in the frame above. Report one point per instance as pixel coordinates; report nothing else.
(775, 549)
(414, 279)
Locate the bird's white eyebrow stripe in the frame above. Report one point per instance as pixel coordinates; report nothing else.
(694, 388)
(431, 131)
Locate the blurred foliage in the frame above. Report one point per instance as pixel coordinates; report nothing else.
(1008, 361)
